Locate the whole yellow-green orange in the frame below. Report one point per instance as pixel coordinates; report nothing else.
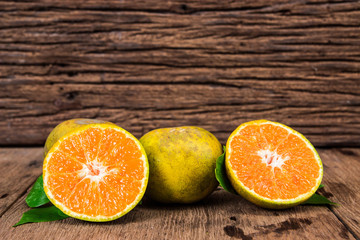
(182, 162)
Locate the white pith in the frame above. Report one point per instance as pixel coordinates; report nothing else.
(271, 158)
(280, 162)
(95, 171)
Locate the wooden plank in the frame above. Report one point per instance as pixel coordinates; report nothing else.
(19, 168)
(140, 108)
(221, 216)
(343, 185)
(158, 64)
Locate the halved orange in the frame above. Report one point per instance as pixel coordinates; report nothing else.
(272, 165)
(95, 172)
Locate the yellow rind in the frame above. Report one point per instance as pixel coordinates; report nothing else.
(182, 164)
(76, 130)
(255, 198)
(67, 127)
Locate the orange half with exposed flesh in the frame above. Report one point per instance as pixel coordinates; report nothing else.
(98, 172)
(272, 165)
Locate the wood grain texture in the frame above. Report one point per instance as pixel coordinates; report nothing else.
(213, 64)
(343, 185)
(19, 168)
(220, 216)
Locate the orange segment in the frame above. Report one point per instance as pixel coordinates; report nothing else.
(274, 135)
(62, 163)
(73, 148)
(126, 187)
(253, 134)
(109, 146)
(265, 182)
(110, 202)
(272, 165)
(90, 142)
(96, 173)
(62, 184)
(288, 186)
(84, 198)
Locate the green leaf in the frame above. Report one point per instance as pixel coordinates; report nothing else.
(321, 186)
(220, 173)
(37, 196)
(317, 199)
(43, 214)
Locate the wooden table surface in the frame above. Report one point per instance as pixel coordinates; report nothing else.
(213, 64)
(220, 216)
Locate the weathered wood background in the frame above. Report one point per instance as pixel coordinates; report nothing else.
(211, 63)
(151, 64)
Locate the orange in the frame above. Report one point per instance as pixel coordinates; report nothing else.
(182, 164)
(94, 170)
(272, 165)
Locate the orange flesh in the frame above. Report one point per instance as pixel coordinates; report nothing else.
(97, 172)
(273, 162)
